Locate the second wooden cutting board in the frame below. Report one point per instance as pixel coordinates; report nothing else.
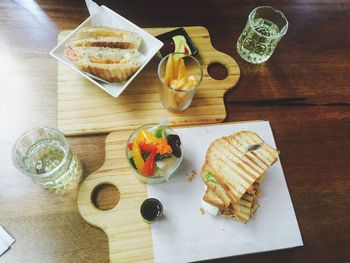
(184, 234)
(83, 108)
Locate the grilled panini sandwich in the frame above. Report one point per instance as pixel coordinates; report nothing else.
(233, 172)
(107, 53)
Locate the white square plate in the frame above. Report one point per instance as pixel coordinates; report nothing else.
(186, 235)
(107, 17)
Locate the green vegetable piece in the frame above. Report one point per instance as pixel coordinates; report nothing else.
(160, 132)
(131, 160)
(145, 155)
(209, 177)
(160, 157)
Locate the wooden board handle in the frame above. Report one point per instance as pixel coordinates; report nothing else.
(86, 206)
(123, 224)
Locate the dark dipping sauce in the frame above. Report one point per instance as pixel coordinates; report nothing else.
(169, 47)
(151, 209)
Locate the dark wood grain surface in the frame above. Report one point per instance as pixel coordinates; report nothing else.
(303, 90)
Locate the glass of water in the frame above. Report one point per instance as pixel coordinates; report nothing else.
(264, 29)
(44, 155)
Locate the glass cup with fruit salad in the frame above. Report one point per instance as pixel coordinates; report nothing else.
(154, 153)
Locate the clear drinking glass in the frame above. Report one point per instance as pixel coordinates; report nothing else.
(44, 154)
(179, 99)
(264, 29)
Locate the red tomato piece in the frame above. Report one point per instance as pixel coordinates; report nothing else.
(150, 164)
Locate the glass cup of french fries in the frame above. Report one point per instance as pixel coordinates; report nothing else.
(180, 77)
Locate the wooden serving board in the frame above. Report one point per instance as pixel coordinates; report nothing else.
(83, 108)
(183, 228)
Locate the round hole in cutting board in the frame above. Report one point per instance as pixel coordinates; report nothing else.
(217, 71)
(105, 196)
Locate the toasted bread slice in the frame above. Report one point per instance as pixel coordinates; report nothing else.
(215, 187)
(111, 64)
(99, 36)
(243, 210)
(102, 31)
(102, 55)
(211, 197)
(236, 165)
(130, 41)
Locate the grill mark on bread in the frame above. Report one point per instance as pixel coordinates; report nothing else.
(237, 143)
(233, 164)
(234, 193)
(231, 194)
(268, 157)
(240, 138)
(228, 153)
(230, 148)
(249, 163)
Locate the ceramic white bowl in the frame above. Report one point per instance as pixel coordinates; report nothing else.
(107, 17)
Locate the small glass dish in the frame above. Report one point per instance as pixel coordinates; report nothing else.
(164, 168)
(170, 39)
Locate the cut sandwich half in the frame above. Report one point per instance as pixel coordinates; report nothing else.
(214, 187)
(108, 53)
(111, 64)
(237, 162)
(243, 210)
(233, 172)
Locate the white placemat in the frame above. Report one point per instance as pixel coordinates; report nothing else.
(185, 234)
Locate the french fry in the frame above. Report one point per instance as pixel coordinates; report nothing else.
(187, 86)
(191, 78)
(181, 83)
(182, 69)
(177, 83)
(176, 67)
(173, 84)
(169, 70)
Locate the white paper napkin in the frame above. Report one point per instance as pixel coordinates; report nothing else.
(184, 234)
(92, 7)
(6, 241)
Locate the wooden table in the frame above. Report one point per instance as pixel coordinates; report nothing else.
(303, 90)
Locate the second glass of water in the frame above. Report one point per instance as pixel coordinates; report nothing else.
(44, 155)
(264, 29)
